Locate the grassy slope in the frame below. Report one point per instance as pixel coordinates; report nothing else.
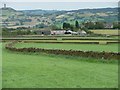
(25, 70)
(87, 47)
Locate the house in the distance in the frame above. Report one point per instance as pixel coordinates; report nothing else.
(82, 33)
(68, 32)
(58, 32)
(42, 32)
(108, 25)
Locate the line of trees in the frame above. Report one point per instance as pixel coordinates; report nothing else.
(91, 25)
(70, 26)
(94, 25)
(15, 32)
(116, 25)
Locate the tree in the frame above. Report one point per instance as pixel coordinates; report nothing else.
(54, 27)
(28, 32)
(116, 25)
(19, 32)
(41, 25)
(99, 25)
(76, 24)
(89, 25)
(66, 25)
(72, 27)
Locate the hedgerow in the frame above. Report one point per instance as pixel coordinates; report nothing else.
(99, 55)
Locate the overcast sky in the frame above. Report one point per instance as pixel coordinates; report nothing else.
(58, 5)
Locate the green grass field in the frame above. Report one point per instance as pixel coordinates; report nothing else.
(22, 70)
(0, 65)
(106, 31)
(65, 36)
(73, 41)
(83, 47)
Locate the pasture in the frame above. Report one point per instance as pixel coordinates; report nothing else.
(0, 65)
(22, 70)
(106, 31)
(67, 46)
(72, 41)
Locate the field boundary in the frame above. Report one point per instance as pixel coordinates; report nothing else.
(62, 38)
(98, 55)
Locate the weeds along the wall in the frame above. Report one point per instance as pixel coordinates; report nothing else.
(99, 55)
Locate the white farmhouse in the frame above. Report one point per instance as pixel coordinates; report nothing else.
(57, 32)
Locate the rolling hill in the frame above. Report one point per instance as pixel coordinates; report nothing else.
(12, 17)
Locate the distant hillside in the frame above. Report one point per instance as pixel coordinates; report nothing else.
(8, 11)
(38, 12)
(45, 18)
(114, 10)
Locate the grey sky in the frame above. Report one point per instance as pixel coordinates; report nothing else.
(59, 5)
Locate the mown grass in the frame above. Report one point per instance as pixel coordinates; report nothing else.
(106, 31)
(21, 70)
(83, 47)
(72, 41)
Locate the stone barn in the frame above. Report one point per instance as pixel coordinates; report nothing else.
(43, 32)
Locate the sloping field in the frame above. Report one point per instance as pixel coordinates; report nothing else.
(22, 70)
(106, 31)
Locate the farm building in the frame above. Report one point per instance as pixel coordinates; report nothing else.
(68, 32)
(58, 32)
(43, 32)
(74, 33)
(62, 32)
(82, 33)
(108, 25)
